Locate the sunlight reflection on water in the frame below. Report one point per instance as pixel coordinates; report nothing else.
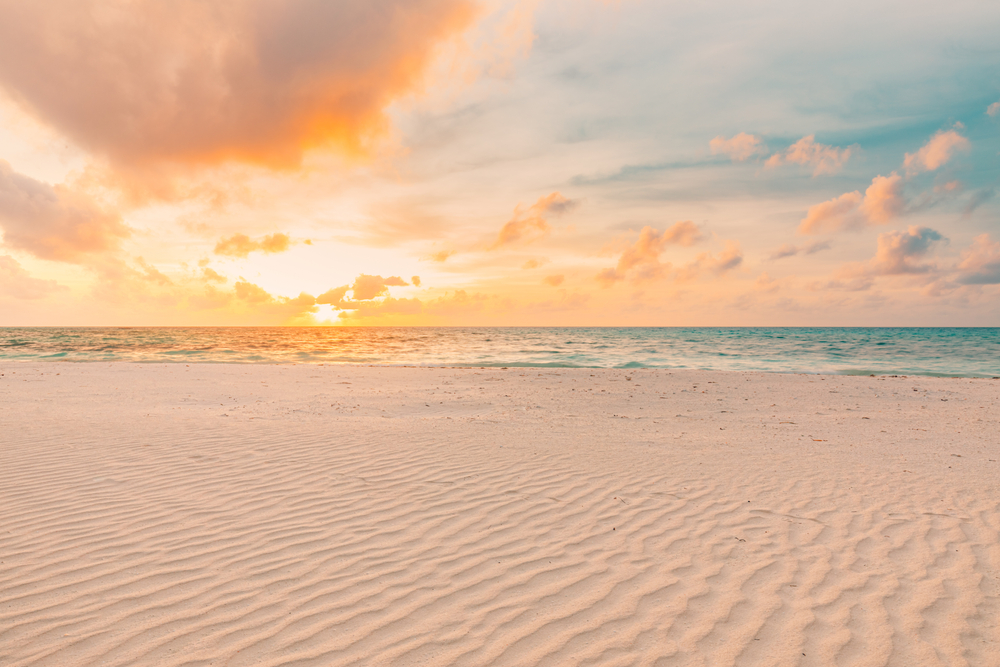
(967, 352)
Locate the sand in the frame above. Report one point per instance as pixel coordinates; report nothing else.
(306, 515)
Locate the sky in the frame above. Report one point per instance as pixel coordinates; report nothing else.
(499, 162)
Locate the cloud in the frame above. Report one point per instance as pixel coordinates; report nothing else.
(684, 233)
(823, 159)
(882, 201)
(528, 225)
(993, 109)
(936, 152)
(263, 302)
(739, 148)
(442, 255)
(554, 281)
(387, 306)
(730, 258)
(54, 221)
(189, 82)
(977, 199)
(211, 275)
(368, 287)
(641, 260)
(455, 307)
(896, 250)
(415, 280)
(858, 284)
(17, 283)
(240, 245)
(789, 250)
(364, 289)
(896, 254)
(832, 215)
(765, 283)
(980, 263)
(334, 297)
(534, 263)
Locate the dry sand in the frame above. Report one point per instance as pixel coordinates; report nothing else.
(304, 515)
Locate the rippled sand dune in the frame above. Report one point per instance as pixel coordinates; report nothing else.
(303, 515)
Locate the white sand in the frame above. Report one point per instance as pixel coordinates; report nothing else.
(302, 515)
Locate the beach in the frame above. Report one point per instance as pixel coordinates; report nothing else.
(240, 514)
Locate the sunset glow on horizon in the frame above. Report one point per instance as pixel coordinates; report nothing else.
(499, 162)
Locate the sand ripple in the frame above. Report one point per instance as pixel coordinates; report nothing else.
(404, 542)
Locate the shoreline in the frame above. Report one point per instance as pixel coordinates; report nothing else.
(266, 363)
(179, 514)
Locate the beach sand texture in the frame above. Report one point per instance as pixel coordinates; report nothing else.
(306, 515)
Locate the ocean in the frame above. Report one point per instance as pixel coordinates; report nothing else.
(965, 352)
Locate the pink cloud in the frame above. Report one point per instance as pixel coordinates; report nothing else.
(789, 250)
(980, 263)
(17, 283)
(882, 202)
(728, 259)
(765, 283)
(823, 159)
(884, 199)
(936, 152)
(739, 148)
(897, 253)
(832, 215)
(54, 221)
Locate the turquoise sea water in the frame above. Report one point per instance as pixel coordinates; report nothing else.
(923, 351)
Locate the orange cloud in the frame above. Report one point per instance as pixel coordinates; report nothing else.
(17, 283)
(554, 281)
(739, 148)
(53, 221)
(824, 159)
(530, 224)
(211, 275)
(240, 245)
(936, 152)
(149, 293)
(368, 287)
(455, 306)
(334, 297)
(641, 260)
(387, 306)
(146, 82)
(980, 263)
(365, 288)
(442, 255)
(882, 202)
